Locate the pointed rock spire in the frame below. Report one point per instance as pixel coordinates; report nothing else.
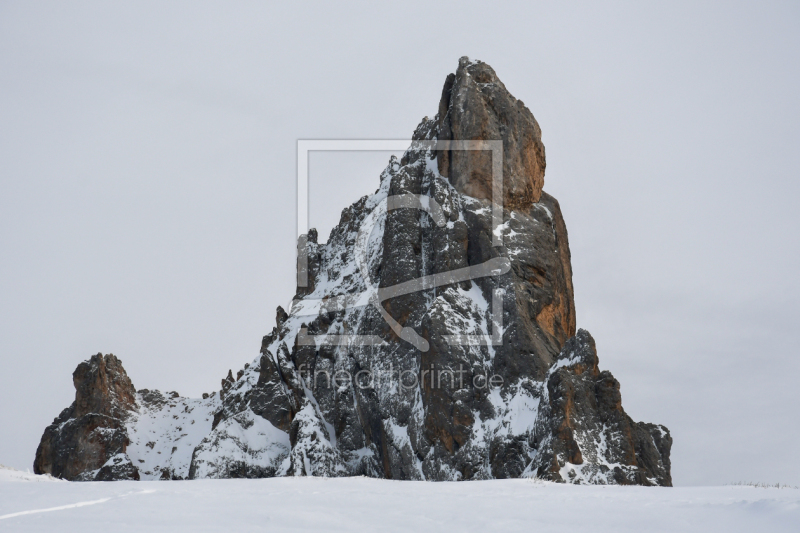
(475, 105)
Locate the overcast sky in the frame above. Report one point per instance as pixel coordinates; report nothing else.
(148, 167)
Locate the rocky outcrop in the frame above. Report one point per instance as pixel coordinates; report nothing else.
(475, 105)
(584, 435)
(88, 440)
(112, 432)
(417, 346)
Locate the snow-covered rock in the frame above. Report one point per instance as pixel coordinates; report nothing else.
(432, 337)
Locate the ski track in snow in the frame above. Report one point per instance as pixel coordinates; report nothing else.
(71, 505)
(363, 504)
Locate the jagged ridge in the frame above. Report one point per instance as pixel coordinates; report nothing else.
(548, 411)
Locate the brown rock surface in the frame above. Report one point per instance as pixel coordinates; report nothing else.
(88, 439)
(583, 405)
(475, 105)
(103, 387)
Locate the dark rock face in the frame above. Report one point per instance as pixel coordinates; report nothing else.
(102, 386)
(475, 105)
(583, 405)
(118, 467)
(88, 440)
(415, 347)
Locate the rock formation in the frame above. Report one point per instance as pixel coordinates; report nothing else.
(475, 105)
(582, 432)
(415, 346)
(88, 439)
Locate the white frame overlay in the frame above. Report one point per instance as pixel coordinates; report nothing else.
(305, 146)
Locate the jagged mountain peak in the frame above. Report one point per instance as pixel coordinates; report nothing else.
(431, 337)
(475, 105)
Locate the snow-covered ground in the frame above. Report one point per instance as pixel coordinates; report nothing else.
(362, 504)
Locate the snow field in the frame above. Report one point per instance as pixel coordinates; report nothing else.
(363, 504)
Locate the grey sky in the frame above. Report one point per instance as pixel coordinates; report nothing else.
(147, 159)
